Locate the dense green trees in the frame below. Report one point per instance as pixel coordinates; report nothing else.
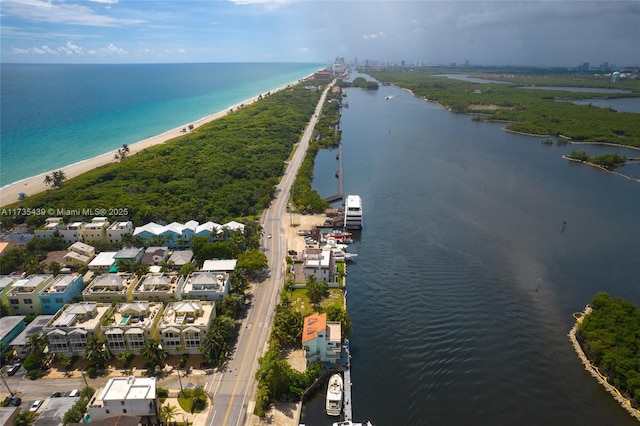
(224, 170)
(610, 337)
(610, 161)
(530, 111)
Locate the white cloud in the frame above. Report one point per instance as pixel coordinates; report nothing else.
(303, 50)
(62, 13)
(111, 49)
(105, 1)
(378, 35)
(70, 47)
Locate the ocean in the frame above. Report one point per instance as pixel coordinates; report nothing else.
(478, 246)
(67, 113)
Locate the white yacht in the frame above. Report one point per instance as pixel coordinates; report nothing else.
(353, 212)
(334, 395)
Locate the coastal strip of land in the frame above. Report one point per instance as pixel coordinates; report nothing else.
(10, 193)
(593, 370)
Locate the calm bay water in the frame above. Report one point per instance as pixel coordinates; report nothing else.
(462, 293)
(68, 113)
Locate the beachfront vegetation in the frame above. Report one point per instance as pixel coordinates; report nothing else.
(224, 170)
(527, 110)
(610, 337)
(55, 179)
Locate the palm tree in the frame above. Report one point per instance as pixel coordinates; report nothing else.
(199, 396)
(168, 412)
(94, 351)
(48, 180)
(154, 353)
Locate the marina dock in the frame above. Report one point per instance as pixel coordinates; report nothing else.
(340, 176)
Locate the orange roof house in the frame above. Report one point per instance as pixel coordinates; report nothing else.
(321, 339)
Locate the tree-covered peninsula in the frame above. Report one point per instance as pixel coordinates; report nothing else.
(516, 100)
(609, 336)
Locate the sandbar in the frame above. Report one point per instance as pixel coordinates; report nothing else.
(9, 194)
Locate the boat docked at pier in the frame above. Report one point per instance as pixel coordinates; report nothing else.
(334, 395)
(353, 212)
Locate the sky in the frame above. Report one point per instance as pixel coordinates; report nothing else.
(530, 33)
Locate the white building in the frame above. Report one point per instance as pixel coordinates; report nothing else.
(321, 339)
(184, 326)
(49, 229)
(206, 286)
(321, 264)
(104, 260)
(117, 230)
(158, 287)
(110, 288)
(129, 396)
(69, 233)
(130, 325)
(70, 329)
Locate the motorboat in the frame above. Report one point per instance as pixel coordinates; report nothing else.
(334, 395)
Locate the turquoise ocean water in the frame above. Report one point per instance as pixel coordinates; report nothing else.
(55, 115)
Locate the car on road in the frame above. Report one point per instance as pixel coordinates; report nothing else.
(13, 369)
(36, 404)
(269, 236)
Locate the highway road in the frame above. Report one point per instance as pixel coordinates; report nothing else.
(233, 389)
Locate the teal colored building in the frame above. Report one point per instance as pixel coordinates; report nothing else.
(10, 327)
(61, 291)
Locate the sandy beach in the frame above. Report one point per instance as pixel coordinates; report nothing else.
(35, 184)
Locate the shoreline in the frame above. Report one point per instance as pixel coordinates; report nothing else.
(35, 184)
(593, 370)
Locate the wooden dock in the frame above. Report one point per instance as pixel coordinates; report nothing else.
(340, 176)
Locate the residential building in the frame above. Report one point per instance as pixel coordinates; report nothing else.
(49, 229)
(96, 230)
(130, 396)
(10, 327)
(62, 289)
(19, 344)
(69, 233)
(184, 326)
(130, 325)
(117, 230)
(5, 286)
(179, 258)
(80, 254)
(321, 339)
(177, 235)
(211, 286)
(132, 254)
(24, 295)
(155, 255)
(104, 260)
(220, 265)
(112, 288)
(70, 329)
(321, 264)
(158, 287)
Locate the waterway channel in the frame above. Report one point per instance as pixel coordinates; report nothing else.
(477, 247)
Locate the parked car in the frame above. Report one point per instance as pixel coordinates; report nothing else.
(56, 395)
(13, 369)
(15, 401)
(36, 404)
